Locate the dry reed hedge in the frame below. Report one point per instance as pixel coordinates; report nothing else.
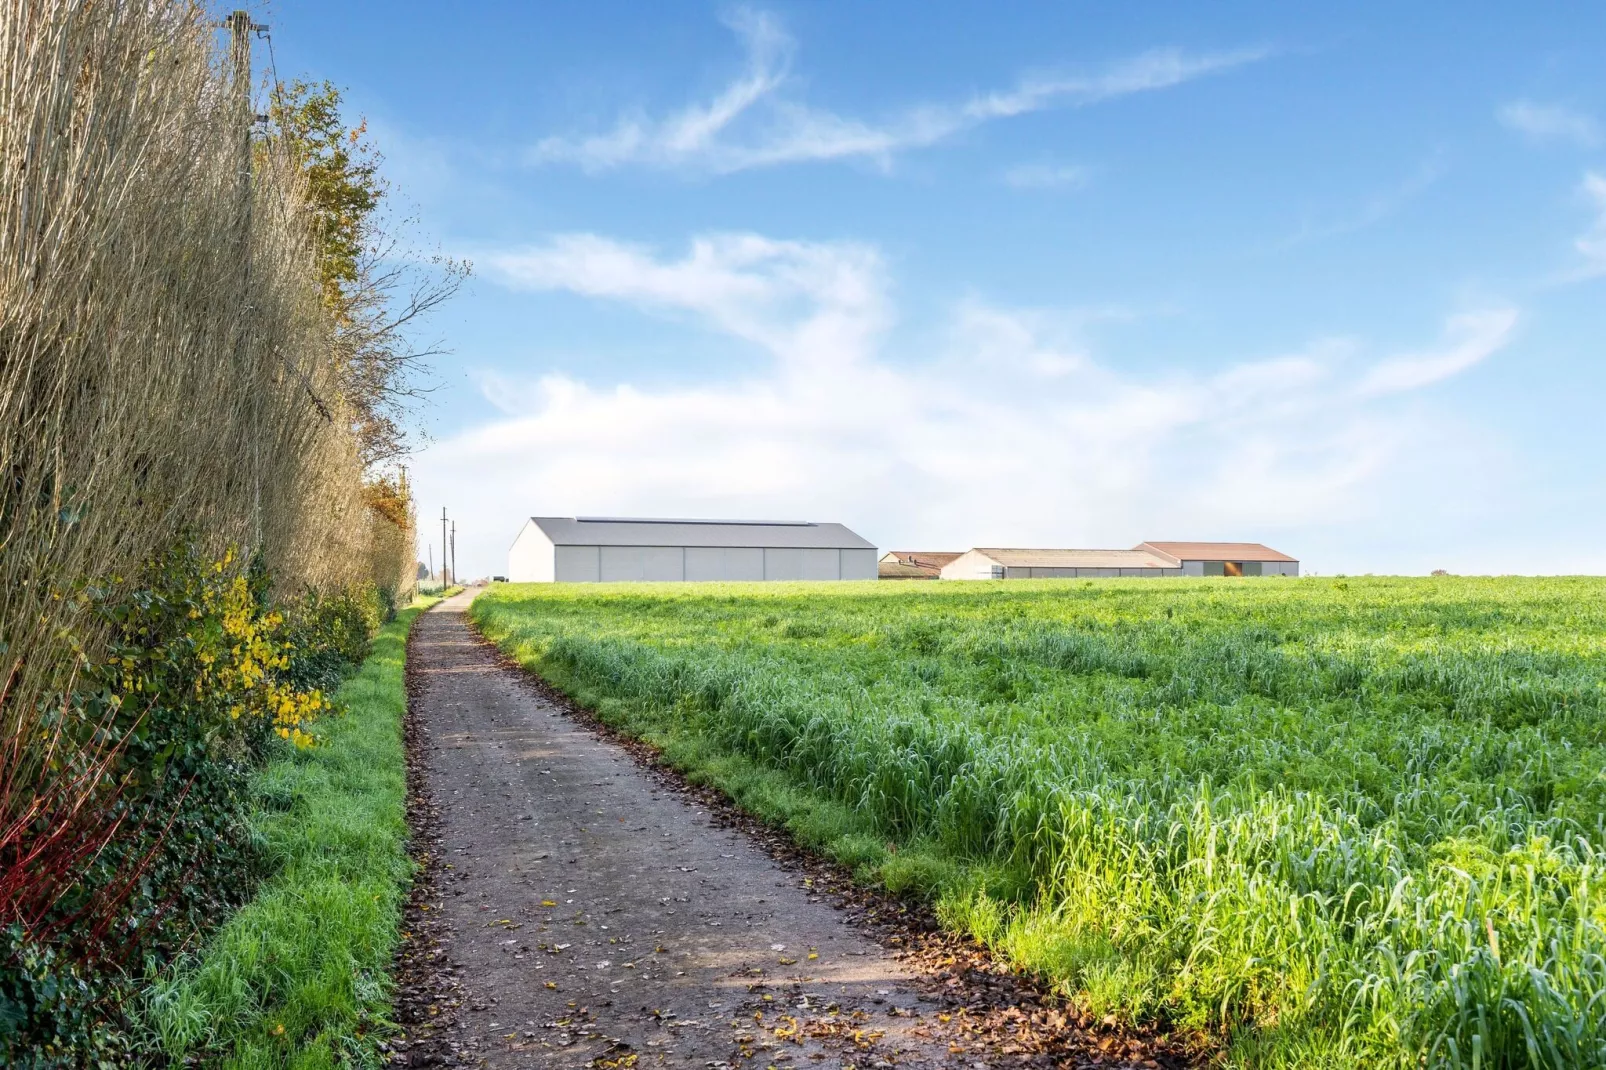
(165, 362)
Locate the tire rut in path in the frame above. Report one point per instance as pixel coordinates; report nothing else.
(587, 915)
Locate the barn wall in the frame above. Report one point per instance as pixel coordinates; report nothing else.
(783, 563)
(822, 564)
(744, 563)
(647, 564)
(530, 559)
(724, 563)
(1251, 568)
(858, 564)
(982, 569)
(969, 566)
(666, 564)
(704, 563)
(642, 564)
(578, 564)
(619, 564)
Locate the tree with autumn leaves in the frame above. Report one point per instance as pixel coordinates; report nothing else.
(376, 289)
(377, 294)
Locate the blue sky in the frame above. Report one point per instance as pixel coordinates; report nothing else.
(1009, 274)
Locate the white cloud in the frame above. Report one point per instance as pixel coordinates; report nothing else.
(1470, 338)
(1012, 433)
(1375, 210)
(1550, 122)
(1046, 176)
(752, 123)
(1592, 243)
(745, 285)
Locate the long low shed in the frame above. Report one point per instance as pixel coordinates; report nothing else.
(1146, 560)
(1004, 564)
(1226, 558)
(618, 549)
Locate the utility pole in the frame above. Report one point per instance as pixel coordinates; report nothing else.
(240, 28)
(431, 551)
(446, 574)
(454, 548)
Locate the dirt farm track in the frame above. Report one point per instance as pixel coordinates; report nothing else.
(581, 906)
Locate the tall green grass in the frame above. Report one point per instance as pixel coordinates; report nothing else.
(1329, 822)
(299, 976)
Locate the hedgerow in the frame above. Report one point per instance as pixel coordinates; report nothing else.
(299, 975)
(197, 533)
(196, 687)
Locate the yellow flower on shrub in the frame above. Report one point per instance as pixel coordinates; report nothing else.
(231, 653)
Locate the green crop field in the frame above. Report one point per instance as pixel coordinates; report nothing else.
(1308, 822)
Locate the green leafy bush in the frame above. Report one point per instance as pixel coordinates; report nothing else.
(329, 632)
(300, 972)
(52, 1015)
(148, 843)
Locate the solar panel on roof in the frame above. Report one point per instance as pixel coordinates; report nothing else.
(725, 523)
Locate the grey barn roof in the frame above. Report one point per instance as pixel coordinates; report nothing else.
(627, 531)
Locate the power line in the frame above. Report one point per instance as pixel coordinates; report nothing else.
(240, 26)
(276, 91)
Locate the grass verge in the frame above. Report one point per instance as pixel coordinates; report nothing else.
(299, 977)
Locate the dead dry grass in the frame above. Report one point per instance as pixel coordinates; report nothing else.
(165, 359)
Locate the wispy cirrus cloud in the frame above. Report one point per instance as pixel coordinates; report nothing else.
(1469, 339)
(755, 122)
(1592, 243)
(1375, 210)
(1013, 429)
(1550, 123)
(1042, 176)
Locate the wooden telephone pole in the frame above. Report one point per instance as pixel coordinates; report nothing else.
(240, 28)
(446, 575)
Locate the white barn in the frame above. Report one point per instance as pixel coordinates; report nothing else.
(989, 563)
(1226, 558)
(608, 549)
(1148, 560)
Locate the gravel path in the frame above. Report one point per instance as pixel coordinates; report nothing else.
(583, 913)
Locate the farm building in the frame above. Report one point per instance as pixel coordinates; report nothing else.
(1226, 558)
(1148, 560)
(1001, 564)
(606, 549)
(913, 564)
